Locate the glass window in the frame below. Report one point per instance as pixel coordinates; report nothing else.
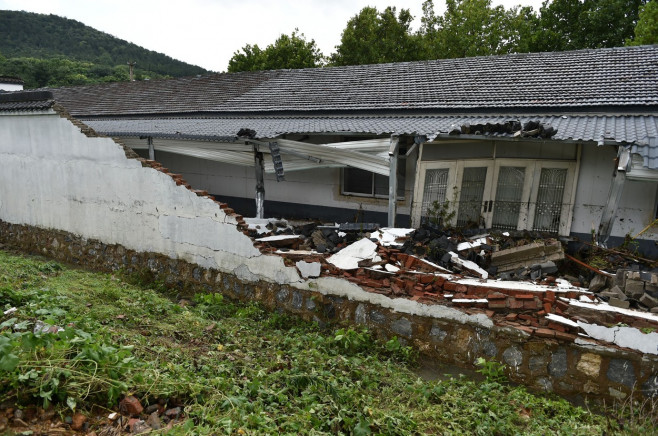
(361, 182)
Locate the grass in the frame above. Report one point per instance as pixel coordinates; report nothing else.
(238, 369)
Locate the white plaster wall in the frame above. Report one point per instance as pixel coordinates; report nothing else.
(637, 204)
(53, 176)
(10, 87)
(319, 187)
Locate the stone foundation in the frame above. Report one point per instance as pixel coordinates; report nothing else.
(593, 370)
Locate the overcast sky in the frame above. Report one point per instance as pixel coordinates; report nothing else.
(208, 32)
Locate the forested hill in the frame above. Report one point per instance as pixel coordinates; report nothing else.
(30, 42)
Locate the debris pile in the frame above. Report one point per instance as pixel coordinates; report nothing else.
(516, 278)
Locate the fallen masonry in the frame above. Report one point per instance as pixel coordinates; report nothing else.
(551, 335)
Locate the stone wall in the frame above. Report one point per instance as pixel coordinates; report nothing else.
(567, 368)
(78, 198)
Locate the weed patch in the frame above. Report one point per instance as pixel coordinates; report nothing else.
(79, 341)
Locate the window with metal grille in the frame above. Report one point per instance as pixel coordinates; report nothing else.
(436, 188)
(509, 192)
(549, 199)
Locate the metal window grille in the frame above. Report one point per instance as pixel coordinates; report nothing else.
(435, 189)
(549, 199)
(509, 191)
(470, 199)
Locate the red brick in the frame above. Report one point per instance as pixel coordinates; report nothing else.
(511, 316)
(449, 286)
(513, 304)
(386, 283)
(462, 289)
(559, 304)
(396, 289)
(525, 297)
(541, 313)
(545, 333)
(496, 296)
(490, 313)
(530, 304)
(548, 307)
(419, 288)
(425, 278)
(497, 304)
(549, 297)
(565, 336)
(409, 262)
(558, 311)
(525, 316)
(438, 280)
(428, 288)
(556, 326)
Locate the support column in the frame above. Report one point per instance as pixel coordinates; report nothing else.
(260, 183)
(393, 180)
(151, 148)
(616, 188)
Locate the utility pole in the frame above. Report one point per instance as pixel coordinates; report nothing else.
(131, 65)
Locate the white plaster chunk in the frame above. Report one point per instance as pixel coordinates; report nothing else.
(309, 269)
(350, 256)
(278, 238)
(608, 308)
(433, 265)
(468, 300)
(468, 265)
(387, 235)
(471, 244)
(391, 268)
(561, 320)
(628, 337)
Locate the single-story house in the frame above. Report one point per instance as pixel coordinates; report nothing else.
(559, 142)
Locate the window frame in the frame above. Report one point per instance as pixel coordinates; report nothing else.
(402, 162)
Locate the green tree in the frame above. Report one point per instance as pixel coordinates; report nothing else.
(288, 51)
(646, 30)
(249, 58)
(577, 24)
(373, 37)
(475, 28)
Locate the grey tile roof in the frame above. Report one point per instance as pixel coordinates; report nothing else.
(26, 105)
(622, 129)
(26, 100)
(612, 77)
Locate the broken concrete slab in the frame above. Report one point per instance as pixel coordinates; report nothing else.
(649, 301)
(527, 255)
(309, 269)
(616, 302)
(468, 266)
(349, 257)
(281, 240)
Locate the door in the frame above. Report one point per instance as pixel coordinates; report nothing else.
(502, 194)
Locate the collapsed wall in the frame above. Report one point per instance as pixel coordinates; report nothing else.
(71, 195)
